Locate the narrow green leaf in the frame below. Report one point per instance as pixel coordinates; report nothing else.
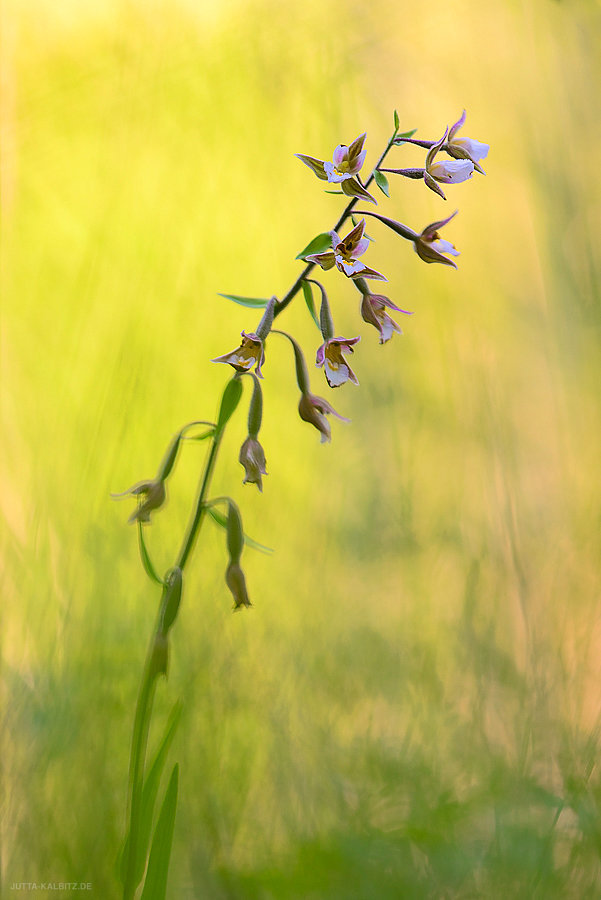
(149, 795)
(145, 556)
(308, 292)
(253, 302)
(396, 121)
(201, 437)
(229, 402)
(382, 182)
(319, 244)
(221, 520)
(405, 134)
(339, 193)
(155, 885)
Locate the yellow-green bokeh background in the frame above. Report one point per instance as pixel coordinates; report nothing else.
(412, 707)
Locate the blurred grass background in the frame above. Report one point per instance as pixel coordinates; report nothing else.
(412, 708)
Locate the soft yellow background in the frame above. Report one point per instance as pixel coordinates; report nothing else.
(411, 708)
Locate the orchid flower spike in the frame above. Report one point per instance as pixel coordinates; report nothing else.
(344, 169)
(430, 247)
(344, 255)
(452, 171)
(466, 148)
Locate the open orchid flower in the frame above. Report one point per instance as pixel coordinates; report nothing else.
(466, 148)
(344, 169)
(373, 311)
(344, 255)
(329, 355)
(250, 353)
(451, 171)
(430, 247)
(314, 410)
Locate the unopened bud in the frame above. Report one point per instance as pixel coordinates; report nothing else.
(236, 582)
(264, 326)
(235, 534)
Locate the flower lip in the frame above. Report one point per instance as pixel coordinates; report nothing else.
(250, 353)
(330, 357)
(313, 409)
(430, 247)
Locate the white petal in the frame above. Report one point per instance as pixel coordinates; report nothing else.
(452, 171)
(334, 176)
(443, 246)
(476, 149)
(336, 376)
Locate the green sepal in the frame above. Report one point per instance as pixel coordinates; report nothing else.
(382, 182)
(229, 402)
(145, 557)
(253, 302)
(221, 520)
(319, 244)
(155, 885)
(308, 294)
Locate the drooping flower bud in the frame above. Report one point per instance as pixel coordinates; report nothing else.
(236, 582)
(264, 326)
(154, 493)
(252, 457)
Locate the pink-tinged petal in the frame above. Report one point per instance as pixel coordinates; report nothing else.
(230, 358)
(458, 124)
(433, 186)
(476, 149)
(333, 175)
(316, 165)
(430, 230)
(387, 328)
(352, 188)
(357, 164)
(349, 268)
(361, 247)
(452, 171)
(325, 260)
(334, 238)
(340, 155)
(356, 147)
(320, 356)
(442, 246)
(366, 272)
(385, 301)
(346, 344)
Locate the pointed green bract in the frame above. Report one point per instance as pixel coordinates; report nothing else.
(221, 520)
(396, 121)
(308, 294)
(172, 595)
(253, 302)
(145, 556)
(229, 402)
(382, 182)
(319, 243)
(155, 886)
(405, 134)
(201, 437)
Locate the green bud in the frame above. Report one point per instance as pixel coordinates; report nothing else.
(235, 533)
(255, 410)
(264, 326)
(159, 662)
(170, 457)
(172, 595)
